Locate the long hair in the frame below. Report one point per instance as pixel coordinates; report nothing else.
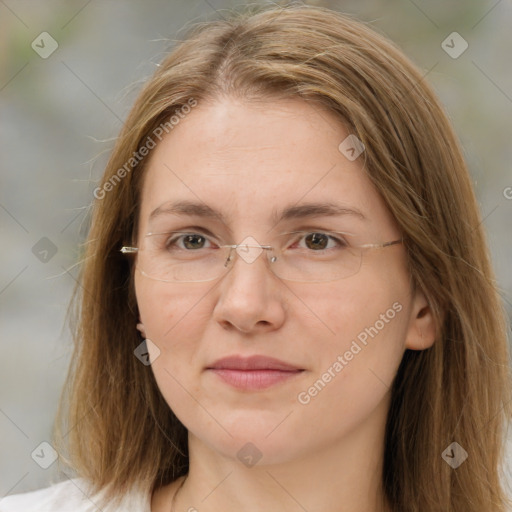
(114, 426)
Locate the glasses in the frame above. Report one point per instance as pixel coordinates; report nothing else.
(189, 257)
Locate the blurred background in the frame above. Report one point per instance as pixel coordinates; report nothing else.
(69, 72)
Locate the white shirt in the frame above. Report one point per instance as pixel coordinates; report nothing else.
(71, 496)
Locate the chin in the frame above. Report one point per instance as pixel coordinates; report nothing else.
(253, 440)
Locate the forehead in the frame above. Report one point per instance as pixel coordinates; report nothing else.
(247, 160)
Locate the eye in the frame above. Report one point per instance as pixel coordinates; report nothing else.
(319, 241)
(186, 241)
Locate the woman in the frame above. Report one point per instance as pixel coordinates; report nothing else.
(286, 301)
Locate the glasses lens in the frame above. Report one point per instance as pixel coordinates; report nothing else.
(315, 266)
(181, 257)
(189, 257)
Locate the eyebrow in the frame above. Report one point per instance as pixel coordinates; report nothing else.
(301, 211)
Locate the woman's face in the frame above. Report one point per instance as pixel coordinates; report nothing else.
(340, 342)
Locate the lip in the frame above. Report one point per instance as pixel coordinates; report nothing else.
(256, 362)
(253, 373)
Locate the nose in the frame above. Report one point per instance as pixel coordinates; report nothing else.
(250, 297)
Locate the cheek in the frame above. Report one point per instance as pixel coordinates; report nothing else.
(170, 318)
(174, 320)
(359, 362)
(354, 308)
(163, 308)
(367, 320)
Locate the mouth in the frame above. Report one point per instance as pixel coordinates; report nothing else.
(253, 373)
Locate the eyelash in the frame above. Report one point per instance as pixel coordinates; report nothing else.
(340, 241)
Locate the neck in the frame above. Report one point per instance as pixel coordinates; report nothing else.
(345, 475)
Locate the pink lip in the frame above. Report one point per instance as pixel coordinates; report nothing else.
(253, 373)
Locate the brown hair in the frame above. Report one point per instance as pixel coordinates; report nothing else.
(122, 433)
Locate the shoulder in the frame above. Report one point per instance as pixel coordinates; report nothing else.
(71, 495)
(58, 497)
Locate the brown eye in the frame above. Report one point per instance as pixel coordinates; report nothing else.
(194, 241)
(316, 241)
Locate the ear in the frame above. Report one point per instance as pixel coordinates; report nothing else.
(140, 327)
(421, 332)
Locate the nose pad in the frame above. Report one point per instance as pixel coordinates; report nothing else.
(228, 260)
(249, 250)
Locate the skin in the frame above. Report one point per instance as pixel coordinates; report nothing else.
(325, 455)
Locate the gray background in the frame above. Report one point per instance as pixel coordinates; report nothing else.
(58, 119)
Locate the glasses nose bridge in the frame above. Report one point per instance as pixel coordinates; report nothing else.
(250, 253)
